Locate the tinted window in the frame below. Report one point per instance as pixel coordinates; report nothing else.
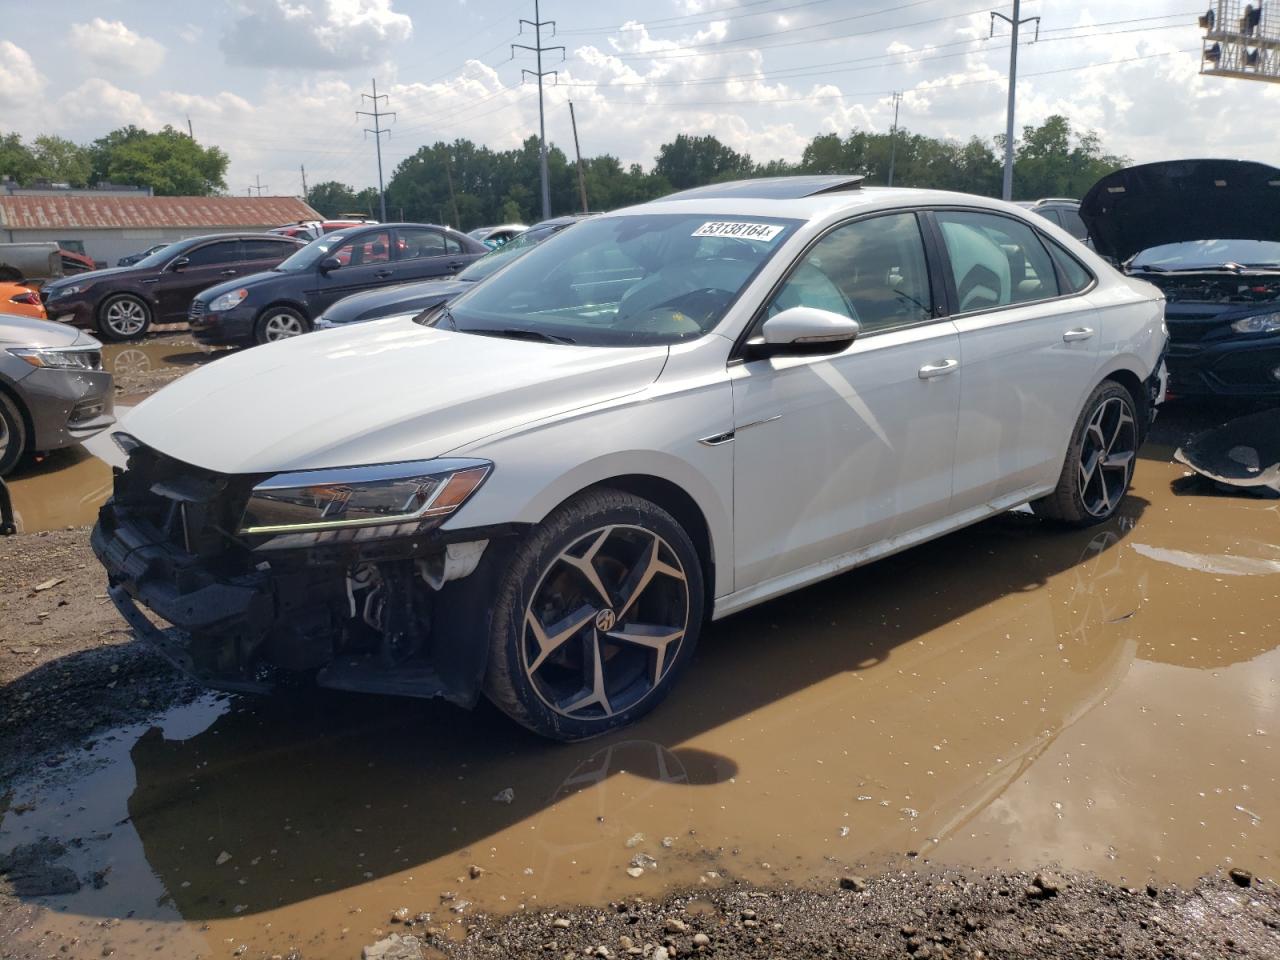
(1050, 215)
(267, 249)
(224, 251)
(365, 248)
(414, 243)
(1072, 223)
(1074, 275)
(872, 270)
(995, 260)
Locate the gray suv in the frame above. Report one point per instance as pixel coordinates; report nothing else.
(53, 390)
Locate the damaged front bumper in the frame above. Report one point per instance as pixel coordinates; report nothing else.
(406, 616)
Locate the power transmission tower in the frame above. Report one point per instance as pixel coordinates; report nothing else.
(377, 131)
(537, 24)
(893, 137)
(1014, 22)
(257, 185)
(582, 180)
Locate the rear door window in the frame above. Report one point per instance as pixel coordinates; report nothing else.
(415, 243)
(224, 251)
(267, 249)
(995, 261)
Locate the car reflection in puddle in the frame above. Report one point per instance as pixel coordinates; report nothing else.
(1012, 694)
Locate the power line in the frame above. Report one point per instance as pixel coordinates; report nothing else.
(256, 185)
(537, 23)
(696, 19)
(377, 131)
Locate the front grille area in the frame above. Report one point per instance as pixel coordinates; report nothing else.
(196, 310)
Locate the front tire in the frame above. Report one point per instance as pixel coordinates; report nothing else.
(280, 323)
(1100, 460)
(595, 617)
(124, 317)
(13, 435)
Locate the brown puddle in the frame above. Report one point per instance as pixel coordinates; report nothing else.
(1013, 694)
(66, 487)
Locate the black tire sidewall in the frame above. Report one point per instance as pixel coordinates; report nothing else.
(563, 527)
(12, 417)
(260, 325)
(105, 329)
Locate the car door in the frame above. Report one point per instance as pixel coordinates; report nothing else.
(364, 263)
(1029, 346)
(835, 454)
(421, 253)
(197, 269)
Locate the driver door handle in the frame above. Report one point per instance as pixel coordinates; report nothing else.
(931, 371)
(1078, 333)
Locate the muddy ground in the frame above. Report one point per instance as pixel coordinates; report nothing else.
(1033, 698)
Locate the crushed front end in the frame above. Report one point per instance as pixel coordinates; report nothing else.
(343, 578)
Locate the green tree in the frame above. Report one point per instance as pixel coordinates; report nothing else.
(16, 159)
(62, 160)
(169, 162)
(330, 198)
(691, 161)
(1052, 160)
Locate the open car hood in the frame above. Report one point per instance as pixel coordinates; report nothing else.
(1140, 207)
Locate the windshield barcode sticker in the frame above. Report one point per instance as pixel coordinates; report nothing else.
(763, 232)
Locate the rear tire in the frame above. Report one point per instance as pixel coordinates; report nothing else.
(1100, 460)
(124, 317)
(595, 618)
(13, 435)
(280, 323)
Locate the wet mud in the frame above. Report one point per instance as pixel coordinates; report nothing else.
(1011, 696)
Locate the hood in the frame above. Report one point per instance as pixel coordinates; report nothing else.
(380, 392)
(18, 331)
(404, 298)
(1140, 207)
(249, 281)
(91, 276)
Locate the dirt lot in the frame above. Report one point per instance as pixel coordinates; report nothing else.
(1100, 704)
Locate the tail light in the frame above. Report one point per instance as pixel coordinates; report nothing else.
(30, 298)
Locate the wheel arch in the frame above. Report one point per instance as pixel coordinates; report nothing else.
(15, 398)
(143, 294)
(284, 302)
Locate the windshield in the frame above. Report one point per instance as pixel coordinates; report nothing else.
(625, 281)
(1202, 254)
(507, 253)
(164, 254)
(312, 253)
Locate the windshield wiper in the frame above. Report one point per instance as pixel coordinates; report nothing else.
(520, 333)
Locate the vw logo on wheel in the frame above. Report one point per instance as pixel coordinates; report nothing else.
(606, 621)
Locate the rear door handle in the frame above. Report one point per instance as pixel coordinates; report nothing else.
(1078, 333)
(456, 265)
(228, 273)
(940, 369)
(382, 274)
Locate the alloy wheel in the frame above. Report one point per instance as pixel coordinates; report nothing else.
(281, 326)
(1107, 453)
(605, 623)
(125, 317)
(5, 439)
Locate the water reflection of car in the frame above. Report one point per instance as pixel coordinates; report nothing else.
(53, 389)
(285, 301)
(494, 237)
(1207, 234)
(669, 413)
(416, 297)
(123, 302)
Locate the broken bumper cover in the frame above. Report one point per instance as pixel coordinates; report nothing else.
(1235, 368)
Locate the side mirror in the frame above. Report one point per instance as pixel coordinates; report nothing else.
(803, 331)
(329, 264)
(180, 264)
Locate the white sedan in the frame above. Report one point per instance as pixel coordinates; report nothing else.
(541, 491)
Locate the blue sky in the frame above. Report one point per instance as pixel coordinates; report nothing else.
(276, 83)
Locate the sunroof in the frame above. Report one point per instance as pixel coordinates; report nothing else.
(771, 188)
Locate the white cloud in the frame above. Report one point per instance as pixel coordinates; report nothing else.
(100, 105)
(110, 45)
(315, 34)
(20, 82)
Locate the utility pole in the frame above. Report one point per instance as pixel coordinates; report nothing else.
(1014, 22)
(377, 131)
(538, 23)
(893, 136)
(189, 131)
(257, 185)
(303, 168)
(582, 180)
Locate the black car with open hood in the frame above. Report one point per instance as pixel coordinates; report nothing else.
(1207, 233)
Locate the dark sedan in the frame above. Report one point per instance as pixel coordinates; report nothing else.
(1207, 233)
(285, 301)
(416, 297)
(123, 302)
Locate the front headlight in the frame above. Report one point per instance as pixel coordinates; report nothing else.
(1259, 323)
(315, 507)
(60, 358)
(228, 300)
(59, 292)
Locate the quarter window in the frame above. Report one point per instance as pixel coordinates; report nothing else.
(995, 260)
(1074, 276)
(873, 271)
